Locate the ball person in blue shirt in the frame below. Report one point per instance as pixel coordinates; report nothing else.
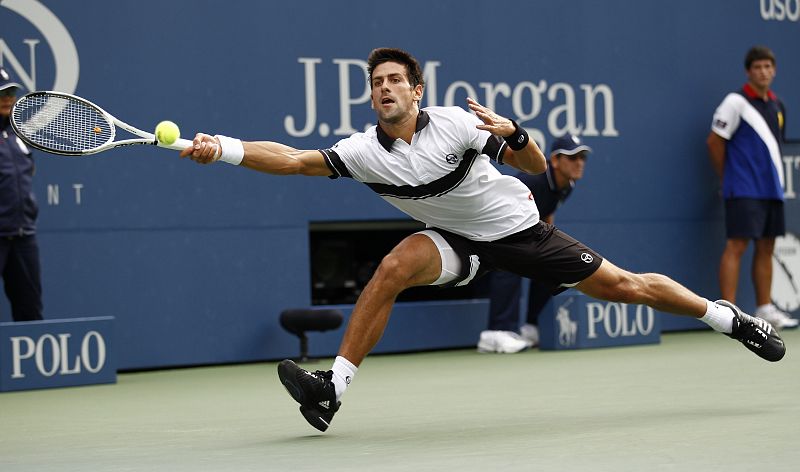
(745, 149)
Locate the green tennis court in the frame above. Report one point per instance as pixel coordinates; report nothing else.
(696, 402)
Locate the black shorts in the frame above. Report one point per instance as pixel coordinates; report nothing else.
(750, 218)
(542, 253)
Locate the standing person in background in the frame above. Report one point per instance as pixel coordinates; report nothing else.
(549, 189)
(19, 251)
(745, 149)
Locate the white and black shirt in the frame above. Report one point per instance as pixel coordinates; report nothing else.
(444, 178)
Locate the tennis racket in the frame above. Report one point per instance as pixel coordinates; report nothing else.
(64, 124)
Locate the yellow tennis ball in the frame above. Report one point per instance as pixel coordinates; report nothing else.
(167, 132)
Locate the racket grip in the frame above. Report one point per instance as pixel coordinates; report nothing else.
(178, 145)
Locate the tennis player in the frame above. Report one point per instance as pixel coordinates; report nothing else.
(435, 164)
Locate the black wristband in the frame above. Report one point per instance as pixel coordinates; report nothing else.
(519, 139)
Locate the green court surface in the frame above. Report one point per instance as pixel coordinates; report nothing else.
(697, 402)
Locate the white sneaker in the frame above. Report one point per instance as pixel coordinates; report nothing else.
(530, 333)
(504, 342)
(777, 317)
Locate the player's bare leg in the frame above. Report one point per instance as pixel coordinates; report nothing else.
(415, 261)
(664, 294)
(611, 283)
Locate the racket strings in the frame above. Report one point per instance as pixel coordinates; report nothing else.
(62, 124)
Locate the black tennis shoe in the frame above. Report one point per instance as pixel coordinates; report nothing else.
(756, 334)
(314, 391)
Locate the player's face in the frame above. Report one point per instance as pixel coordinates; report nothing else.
(393, 97)
(761, 73)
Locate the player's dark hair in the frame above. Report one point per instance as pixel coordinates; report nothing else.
(758, 53)
(380, 55)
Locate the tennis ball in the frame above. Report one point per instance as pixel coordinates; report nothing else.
(167, 132)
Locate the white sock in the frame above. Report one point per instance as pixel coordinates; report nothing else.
(719, 317)
(343, 373)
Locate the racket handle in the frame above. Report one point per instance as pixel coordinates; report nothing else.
(178, 145)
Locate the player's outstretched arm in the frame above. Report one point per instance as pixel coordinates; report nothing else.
(529, 159)
(263, 156)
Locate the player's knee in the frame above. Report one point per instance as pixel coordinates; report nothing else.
(394, 270)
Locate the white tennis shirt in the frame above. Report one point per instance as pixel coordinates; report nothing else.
(444, 178)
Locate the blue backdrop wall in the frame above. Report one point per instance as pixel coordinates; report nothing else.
(196, 262)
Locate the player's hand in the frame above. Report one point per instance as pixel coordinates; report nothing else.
(205, 149)
(492, 122)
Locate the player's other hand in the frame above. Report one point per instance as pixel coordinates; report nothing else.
(205, 149)
(492, 122)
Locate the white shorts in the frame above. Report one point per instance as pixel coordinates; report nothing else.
(451, 262)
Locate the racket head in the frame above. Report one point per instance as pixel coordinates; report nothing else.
(61, 123)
